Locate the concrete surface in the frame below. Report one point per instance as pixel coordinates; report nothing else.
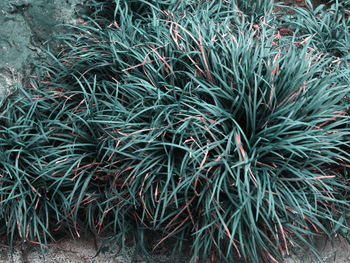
(83, 250)
(338, 252)
(69, 250)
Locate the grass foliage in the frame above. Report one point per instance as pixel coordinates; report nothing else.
(196, 120)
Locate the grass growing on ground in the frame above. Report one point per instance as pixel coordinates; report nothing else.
(196, 120)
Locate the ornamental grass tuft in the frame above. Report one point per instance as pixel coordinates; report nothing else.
(192, 121)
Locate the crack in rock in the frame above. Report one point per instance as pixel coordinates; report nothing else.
(25, 25)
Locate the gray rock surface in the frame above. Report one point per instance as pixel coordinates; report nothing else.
(25, 25)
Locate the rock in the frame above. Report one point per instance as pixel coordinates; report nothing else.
(25, 26)
(6, 256)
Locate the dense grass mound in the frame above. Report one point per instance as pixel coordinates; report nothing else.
(195, 120)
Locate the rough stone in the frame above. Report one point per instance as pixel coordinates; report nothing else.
(25, 27)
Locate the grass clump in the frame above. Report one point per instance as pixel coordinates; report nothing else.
(326, 29)
(195, 121)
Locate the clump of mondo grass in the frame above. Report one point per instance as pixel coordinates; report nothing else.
(328, 29)
(194, 122)
(29, 208)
